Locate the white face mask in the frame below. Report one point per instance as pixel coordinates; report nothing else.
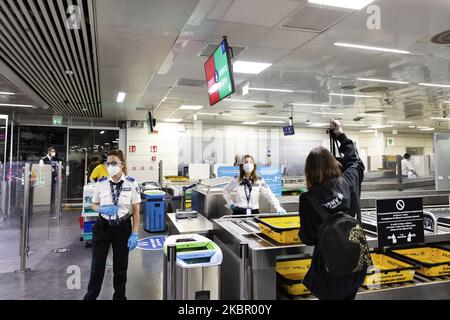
(113, 170)
(53, 154)
(248, 167)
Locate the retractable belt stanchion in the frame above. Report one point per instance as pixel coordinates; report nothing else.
(24, 236)
(171, 284)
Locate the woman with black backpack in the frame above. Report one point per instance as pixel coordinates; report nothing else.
(327, 220)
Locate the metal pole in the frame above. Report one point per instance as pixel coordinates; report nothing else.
(10, 166)
(25, 222)
(6, 145)
(160, 173)
(59, 191)
(399, 173)
(171, 272)
(243, 274)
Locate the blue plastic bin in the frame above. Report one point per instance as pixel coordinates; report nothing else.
(87, 230)
(154, 211)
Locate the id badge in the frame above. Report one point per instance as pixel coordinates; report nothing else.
(249, 211)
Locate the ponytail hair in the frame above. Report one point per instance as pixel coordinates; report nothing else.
(119, 154)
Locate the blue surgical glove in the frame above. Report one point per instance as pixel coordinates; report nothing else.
(132, 241)
(108, 210)
(281, 211)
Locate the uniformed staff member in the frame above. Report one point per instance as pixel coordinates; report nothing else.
(248, 187)
(50, 159)
(116, 199)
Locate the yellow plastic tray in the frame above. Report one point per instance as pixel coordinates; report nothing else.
(434, 261)
(282, 229)
(290, 274)
(176, 178)
(388, 270)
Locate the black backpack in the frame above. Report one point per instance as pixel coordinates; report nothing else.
(341, 242)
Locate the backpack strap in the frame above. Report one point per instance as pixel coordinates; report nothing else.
(323, 213)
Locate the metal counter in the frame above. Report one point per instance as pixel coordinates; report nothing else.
(230, 231)
(199, 225)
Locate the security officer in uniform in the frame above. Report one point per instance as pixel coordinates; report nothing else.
(248, 187)
(117, 200)
(50, 159)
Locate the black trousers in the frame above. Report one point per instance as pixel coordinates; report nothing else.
(104, 235)
(242, 211)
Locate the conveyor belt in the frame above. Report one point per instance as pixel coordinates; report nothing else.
(397, 289)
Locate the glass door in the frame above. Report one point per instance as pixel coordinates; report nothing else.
(86, 147)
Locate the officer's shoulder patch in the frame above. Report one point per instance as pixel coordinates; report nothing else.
(102, 179)
(130, 179)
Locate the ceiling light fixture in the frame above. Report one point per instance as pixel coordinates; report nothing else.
(186, 107)
(351, 95)
(273, 90)
(378, 127)
(173, 120)
(16, 105)
(272, 117)
(250, 122)
(427, 129)
(248, 101)
(380, 80)
(274, 121)
(329, 113)
(346, 4)
(434, 85)
(371, 115)
(412, 127)
(357, 46)
(250, 67)
(318, 124)
(400, 122)
(7, 93)
(366, 131)
(440, 119)
(121, 97)
(311, 105)
(102, 132)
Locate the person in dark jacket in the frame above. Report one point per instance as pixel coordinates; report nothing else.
(336, 185)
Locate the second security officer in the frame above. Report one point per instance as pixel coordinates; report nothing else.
(248, 188)
(117, 200)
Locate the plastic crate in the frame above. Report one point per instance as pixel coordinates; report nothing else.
(281, 228)
(389, 270)
(88, 226)
(290, 275)
(154, 211)
(433, 261)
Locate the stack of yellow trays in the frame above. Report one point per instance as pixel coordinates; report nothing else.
(290, 275)
(434, 261)
(281, 228)
(388, 270)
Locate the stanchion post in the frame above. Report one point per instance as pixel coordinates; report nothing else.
(25, 222)
(243, 274)
(171, 284)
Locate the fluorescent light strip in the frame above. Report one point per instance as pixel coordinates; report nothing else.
(372, 115)
(378, 127)
(440, 119)
(445, 101)
(212, 114)
(250, 122)
(250, 67)
(274, 121)
(248, 101)
(380, 80)
(121, 97)
(422, 127)
(367, 131)
(273, 90)
(186, 107)
(427, 129)
(312, 105)
(7, 93)
(329, 113)
(271, 117)
(400, 122)
(434, 85)
(173, 120)
(346, 4)
(317, 124)
(358, 46)
(16, 105)
(351, 95)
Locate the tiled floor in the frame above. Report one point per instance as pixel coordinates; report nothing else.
(48, 276)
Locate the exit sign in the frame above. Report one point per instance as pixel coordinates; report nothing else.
(57, 120)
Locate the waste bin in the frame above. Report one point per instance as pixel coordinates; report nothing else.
(154, 211)
(198, 261)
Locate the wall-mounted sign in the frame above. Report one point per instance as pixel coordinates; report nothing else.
(400, 221)
(57, 120)
(154, 149)
(132, 149)
(390, 142)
